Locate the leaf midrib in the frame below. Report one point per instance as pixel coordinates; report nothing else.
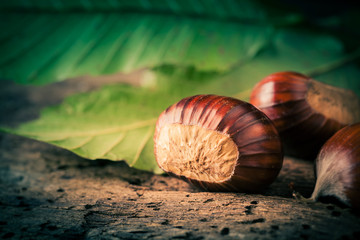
(62, 136)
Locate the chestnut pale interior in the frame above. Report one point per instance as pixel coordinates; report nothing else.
(196, 153)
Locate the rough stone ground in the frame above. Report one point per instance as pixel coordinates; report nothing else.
(49, 193)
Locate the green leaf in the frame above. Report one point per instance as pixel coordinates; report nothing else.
(47, 41)
(226, 9)
(190, 50)
(116, 123)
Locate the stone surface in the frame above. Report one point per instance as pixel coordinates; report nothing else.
(50, 193)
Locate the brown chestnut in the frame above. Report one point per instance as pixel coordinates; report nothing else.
(305, 112)
(338, 167)
(218, 143)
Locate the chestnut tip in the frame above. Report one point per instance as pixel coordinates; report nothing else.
(338, 168)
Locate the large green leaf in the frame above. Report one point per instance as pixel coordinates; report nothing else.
(47, 41)
(117, 122)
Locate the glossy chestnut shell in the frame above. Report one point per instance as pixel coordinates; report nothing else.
(338, 167)
(305, 112)
(218, 143)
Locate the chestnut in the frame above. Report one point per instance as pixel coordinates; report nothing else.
(305, 112)
(338, 167)
(218, 143)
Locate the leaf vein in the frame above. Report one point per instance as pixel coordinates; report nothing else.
(142, 146)
(114, 144)
(58, 137)
(88, 139)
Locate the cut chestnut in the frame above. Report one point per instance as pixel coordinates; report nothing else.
(218, 143)
(305, 112)
(338, 167)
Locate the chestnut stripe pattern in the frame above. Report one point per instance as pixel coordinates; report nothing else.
(289, 99)
(259, 157)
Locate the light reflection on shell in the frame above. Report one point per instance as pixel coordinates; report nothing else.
(305, 112)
